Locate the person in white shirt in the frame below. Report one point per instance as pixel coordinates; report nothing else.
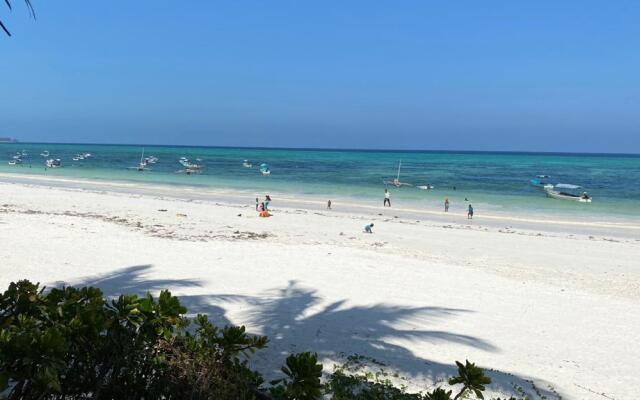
(387, 198)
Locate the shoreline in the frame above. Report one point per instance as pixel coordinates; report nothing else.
(611, 226)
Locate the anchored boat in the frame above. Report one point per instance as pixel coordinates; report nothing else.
(396, 182)
(264, 169)
(540, 181)
(53, 163)
(565, 191)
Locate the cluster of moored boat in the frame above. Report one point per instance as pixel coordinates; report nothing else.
(19, 157)
(561, 191)
(191, 166)
(81, 156)
(264, 167)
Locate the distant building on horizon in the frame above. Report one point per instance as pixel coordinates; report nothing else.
(7, 140)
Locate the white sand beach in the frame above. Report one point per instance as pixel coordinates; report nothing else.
(551, 306)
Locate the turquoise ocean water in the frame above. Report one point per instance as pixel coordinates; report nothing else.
(496, 181)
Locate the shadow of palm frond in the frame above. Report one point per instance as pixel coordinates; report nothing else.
(296, 319)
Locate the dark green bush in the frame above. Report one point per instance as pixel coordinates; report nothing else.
(68, 343)
(303, 378)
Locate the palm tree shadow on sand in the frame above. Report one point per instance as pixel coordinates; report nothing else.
(295, 319)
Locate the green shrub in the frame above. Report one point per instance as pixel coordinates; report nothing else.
(303, 378)
(70, 342)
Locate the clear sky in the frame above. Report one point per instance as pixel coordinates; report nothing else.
(469, 75)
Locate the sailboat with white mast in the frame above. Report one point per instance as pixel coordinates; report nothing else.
(396, 182)
(142, 165)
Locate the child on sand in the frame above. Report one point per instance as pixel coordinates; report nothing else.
(367, 228)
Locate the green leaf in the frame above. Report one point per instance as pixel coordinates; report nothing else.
(4, 382)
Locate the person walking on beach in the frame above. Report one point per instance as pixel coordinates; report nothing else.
(329, 205)
(470, 212)
(267, 200)
(387, 198)
(446, 204)
(367, 228)
(257, 203)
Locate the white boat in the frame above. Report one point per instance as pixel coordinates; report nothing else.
(396, 182)
(426, 187)
(247, 164)
(142, 165)
(188, 165)
(53, 163)
(45, 153)
(264, 169)
(15, 162)
(563, 191)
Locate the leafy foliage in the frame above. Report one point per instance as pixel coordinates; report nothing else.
(472, 379)
(439, 394)
(303, 378)
(32, 11)
(70, 342)
(345, 386)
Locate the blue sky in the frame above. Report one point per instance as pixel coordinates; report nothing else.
(469, 75)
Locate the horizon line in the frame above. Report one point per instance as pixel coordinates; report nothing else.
(373, 150)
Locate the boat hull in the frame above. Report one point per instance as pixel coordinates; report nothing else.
(562, 196)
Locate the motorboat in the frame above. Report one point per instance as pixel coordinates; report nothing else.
(45, 153)
(426, 187)
(540, 181)
(188, 165)
(15, 162)
(247, 164)
(565, 191)
(53, 163)
(264, 169)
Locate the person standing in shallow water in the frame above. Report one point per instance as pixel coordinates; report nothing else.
(446, 204)
(387, 198)
(329, 205)
(470, 212)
